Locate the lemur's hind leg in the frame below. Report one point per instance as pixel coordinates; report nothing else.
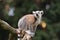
(21, 35)
(26, 37)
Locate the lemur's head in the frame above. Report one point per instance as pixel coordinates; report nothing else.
(38, 14)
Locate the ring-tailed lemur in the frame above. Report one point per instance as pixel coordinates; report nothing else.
(29, 22)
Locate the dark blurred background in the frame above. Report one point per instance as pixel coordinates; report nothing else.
(12, 10)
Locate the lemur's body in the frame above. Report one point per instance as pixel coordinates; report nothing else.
(28, 23)
(26, 20)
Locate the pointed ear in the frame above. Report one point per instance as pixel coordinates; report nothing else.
(33, 11)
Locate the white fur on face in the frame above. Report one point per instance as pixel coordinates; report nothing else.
(39, 13)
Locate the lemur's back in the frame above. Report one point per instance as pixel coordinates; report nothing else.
(26, 21)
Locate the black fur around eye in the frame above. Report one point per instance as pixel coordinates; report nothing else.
(41, 12)
(37, 15)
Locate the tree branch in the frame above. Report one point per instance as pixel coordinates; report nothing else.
(6, 26)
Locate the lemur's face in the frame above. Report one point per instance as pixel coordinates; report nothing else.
(38, 14)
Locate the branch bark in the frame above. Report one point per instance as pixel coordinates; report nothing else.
(6, 26)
